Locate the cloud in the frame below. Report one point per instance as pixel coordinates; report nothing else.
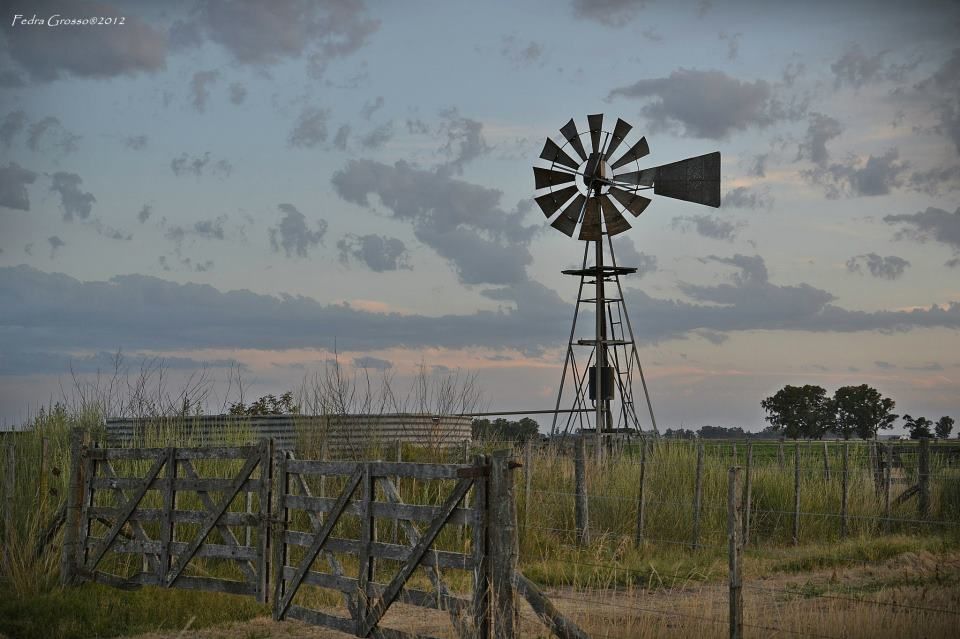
(75, 203)
(32, 362)
(520, 53)
(884, 365)
(708, 226)
(378, 252)
(890, 267)
(942, 92)
(377, 138)
(211, 229)
(238, 93)
(461, 221)
(200, 88)
(820, 130)
(13, 186)
(342, 137)
(707, 104)
(854, 177)
(135, 142)
(932, 223)
(759, 166)
(198, 165)
(627, 255)
(50, 129)
(934, 181)
(47, 53)
(372, 362)
(144, 213)
(733, 44)
(744, 197)
(266, 34)
(611, 13)
(292, 233)
(55, 243)
(855, 68)
(13, 123)
(58, 313)
(464, 141)
(310, 128)
(369, 108)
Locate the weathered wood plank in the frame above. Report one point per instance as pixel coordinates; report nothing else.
(74, 499)
(379, 469)
(321, 467)
(219, 551)
(178, 516)
(167, 527)
(383, 550)
(559, 625)
(502, 544)
(265, 452)
(281, 486)
(317, 618)
(206, 484)
(381, 510)
(480, 611)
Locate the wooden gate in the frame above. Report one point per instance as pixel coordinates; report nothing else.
(195, 518)
(372, 543)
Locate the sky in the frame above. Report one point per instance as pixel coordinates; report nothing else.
(266, 187)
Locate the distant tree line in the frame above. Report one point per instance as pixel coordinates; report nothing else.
(505, 429)
(853, 411)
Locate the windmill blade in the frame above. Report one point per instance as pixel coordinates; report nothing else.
(645, 177)
(596, 128)
(620, 132)
(572, 136)
(566, 222)
(612, 218)
(544, 178)
(591, 221)
(551, 202)
(693, 180)
(630, 201)
(636, 152)
(553, 153)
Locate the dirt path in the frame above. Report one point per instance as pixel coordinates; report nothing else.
(901, 597)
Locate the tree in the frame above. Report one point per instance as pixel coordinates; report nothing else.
(267, 405)
(919, 427)
(501, 428)
(943, 427)
(861, 411)
(799, 411)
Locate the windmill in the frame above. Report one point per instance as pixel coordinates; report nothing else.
(585, 195)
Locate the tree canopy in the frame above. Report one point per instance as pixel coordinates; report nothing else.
(502, 428)
(800, 411)
(943, 427)
(861, 411)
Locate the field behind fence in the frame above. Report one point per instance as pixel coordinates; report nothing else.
(634, 541)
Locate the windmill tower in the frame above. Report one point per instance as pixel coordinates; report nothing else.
(591, 192)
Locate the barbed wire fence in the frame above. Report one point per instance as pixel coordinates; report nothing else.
(769, 498)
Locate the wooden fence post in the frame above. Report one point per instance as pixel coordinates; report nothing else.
(641, 498)
(697, 497)
(527, 483)
(874, 465)
(504, 546)
(826, 462)
(780, 459)
(74, 497)
(886, 489)
(395, 523)
(734, 524)
(480, 540)
(923, 479)
(264, 504)
(581, 510)
(747, 496)
(796, 493)
(845, 491)
(167, 524)
(9, 495)
(281, 488)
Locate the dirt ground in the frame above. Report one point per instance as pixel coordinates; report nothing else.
(912, 595)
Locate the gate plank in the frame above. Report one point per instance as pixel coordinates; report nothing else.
(125, 512)
(184, 559)
(321, 537)
(138, 530)
(419, 550)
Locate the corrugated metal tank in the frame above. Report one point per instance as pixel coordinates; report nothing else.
(343, 433)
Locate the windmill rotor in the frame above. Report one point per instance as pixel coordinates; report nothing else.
(587, 185)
